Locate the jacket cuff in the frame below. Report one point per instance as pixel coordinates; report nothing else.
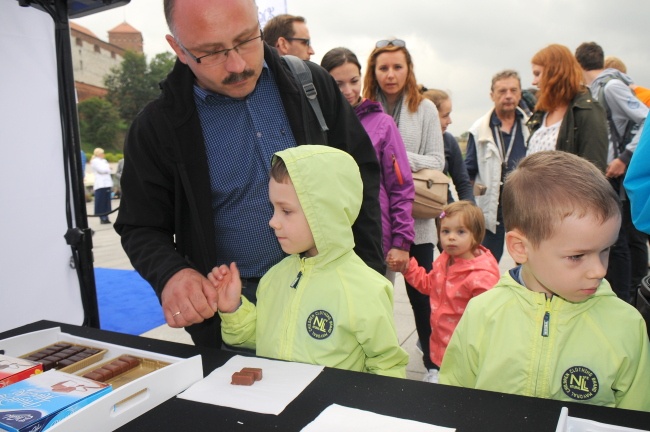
(401, 243)
(238, 316)
(625, 157)
(413, 265)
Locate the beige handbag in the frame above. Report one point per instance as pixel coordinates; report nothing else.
(479, 189)
(431, 188)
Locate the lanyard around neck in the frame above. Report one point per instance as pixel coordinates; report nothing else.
(505, 154)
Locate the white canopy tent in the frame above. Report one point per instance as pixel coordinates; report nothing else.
(47, 270)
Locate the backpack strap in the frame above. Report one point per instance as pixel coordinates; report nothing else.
(619, 141)
(302, 73)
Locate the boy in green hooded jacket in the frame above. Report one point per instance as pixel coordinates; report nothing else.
(321, 304)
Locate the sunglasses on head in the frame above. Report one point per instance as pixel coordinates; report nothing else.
(393, 42)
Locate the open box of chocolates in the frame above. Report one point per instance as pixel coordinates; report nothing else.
(65, 356)
(140, 380)
(122, 370)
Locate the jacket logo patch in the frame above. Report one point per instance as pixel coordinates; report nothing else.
(320, 324)
(579, 383)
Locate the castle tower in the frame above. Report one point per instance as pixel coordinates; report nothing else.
(126, 37)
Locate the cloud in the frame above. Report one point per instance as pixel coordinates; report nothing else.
(457, 45)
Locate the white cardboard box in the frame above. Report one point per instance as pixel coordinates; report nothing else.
(126, 402)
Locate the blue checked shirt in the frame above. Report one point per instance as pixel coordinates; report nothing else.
(241, 136)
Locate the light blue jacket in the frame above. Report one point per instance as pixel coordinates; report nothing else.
(637, 183)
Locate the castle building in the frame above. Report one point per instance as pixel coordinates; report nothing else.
(93, 58)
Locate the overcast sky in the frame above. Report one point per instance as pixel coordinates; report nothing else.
(457, 45)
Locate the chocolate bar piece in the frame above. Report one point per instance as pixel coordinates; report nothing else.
(132, 361)
(116, 367)
(105, 372)
(123, 366)
(95, 376)
(257, 372)
(243, 378)
(61, 355)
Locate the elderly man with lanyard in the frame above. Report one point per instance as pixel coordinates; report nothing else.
(496, 143)
(197, 161)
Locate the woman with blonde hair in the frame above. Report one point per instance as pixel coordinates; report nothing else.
(390, 80)
(454, 163)
(566, 116)
(642, 93)
(102, 185)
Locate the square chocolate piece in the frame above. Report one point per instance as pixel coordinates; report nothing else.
(257, 372)
(243, 378)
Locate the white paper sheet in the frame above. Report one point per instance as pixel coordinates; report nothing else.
(343, 419)
(281, 383)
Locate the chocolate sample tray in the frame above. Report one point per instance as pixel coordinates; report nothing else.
(65, 356)
(111, 372)
(132, 398)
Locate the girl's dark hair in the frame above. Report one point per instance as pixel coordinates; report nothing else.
(338, 57)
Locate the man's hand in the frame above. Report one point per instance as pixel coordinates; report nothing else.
(616, 168)
(397, 260)
(188, 298)
(227, 283)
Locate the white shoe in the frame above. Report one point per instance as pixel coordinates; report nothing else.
(431, 376)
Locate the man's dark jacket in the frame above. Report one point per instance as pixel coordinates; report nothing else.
(166, 218)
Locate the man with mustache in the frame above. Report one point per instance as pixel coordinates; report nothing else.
(197, 161)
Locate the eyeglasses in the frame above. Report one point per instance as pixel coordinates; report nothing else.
(218, 57)
(393, 42)
(306, 42)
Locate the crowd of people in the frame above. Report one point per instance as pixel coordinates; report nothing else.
(256, 237)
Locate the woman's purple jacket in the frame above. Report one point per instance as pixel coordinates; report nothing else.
(396, 191)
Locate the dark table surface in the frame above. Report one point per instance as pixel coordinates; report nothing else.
(464, 409)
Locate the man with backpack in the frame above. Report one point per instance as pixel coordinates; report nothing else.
(625, 118)
(197, 161)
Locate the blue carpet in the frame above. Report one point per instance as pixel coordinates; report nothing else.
(127, 303)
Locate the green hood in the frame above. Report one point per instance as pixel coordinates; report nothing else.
(329, 187)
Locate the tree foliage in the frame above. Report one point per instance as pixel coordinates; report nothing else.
(133, 83)
(160, 67)
(99, 125)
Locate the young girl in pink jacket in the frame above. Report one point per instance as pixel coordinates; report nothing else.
(464, 270)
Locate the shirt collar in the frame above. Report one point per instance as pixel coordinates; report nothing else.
(494, 119)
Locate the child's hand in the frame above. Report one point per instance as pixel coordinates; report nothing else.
(397, 260)
(227, 283)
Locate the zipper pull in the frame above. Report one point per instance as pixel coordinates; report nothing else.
(547, 318)
(295, 282)
(398, 172)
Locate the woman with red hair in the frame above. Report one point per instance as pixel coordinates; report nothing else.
(566, 116)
